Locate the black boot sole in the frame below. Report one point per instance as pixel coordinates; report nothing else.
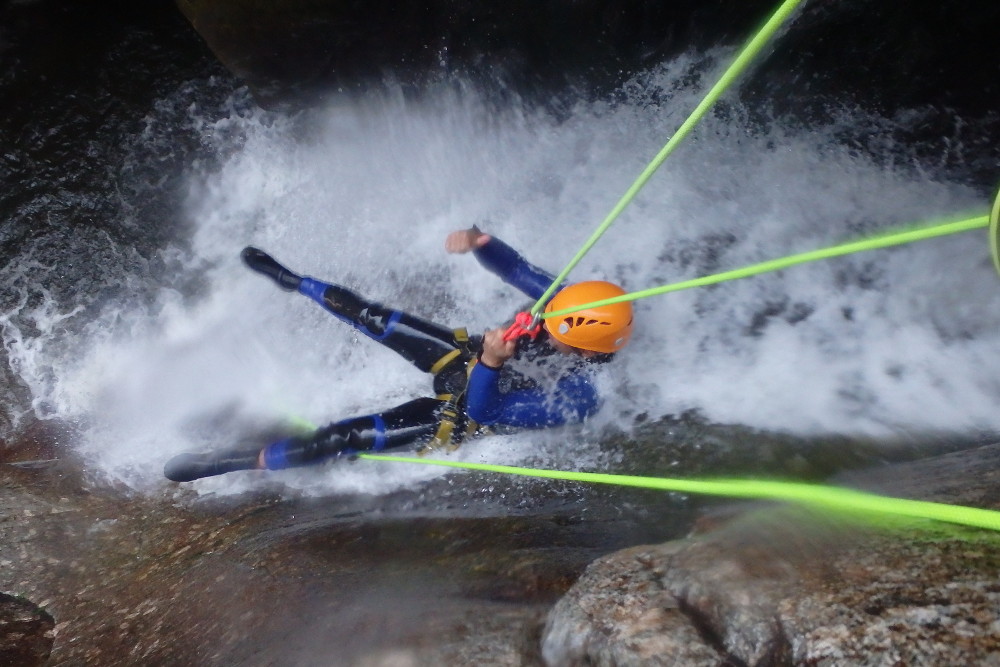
(264, 264)
(189, 467)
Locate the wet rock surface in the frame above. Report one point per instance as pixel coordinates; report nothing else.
(98, 575)
(783, 586)
(25, 632)
(301, 49)
(835, 55)
(298, 45)
(261, 579)
(266, 579)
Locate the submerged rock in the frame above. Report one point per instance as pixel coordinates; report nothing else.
(782, 586)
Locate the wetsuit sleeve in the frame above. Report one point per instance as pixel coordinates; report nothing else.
(504, 261)
(575, 399)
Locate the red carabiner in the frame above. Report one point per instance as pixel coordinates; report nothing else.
(525, 324)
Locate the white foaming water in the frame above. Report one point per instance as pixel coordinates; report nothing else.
(365, 192)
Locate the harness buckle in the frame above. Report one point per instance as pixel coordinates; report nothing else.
(443, 437)
(446, 438)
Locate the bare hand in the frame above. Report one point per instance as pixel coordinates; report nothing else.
(465, 240)
(496, 350)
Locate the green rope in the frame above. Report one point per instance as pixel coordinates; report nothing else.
(828, 497)
(897, 238)
(741, 62)
(995, 233)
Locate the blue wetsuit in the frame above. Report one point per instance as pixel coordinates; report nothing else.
(529, 405)
(537, 388)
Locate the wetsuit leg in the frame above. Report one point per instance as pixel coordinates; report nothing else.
(409, 424)
(428, 346)
(420, 342)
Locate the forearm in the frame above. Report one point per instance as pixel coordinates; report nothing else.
(502, 260)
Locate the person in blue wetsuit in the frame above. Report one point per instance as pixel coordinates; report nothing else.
(481, 383)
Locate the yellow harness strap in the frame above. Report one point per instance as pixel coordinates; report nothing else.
(461, 337)
(444, 361)
(444, 437)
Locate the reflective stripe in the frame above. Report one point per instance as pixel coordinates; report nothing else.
(380, 439)
(390, 325)
(316, 290)
(444, 361)
(274, 455)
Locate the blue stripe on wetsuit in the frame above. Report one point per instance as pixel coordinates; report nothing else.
(276, 454)
(380, 439)
(574, 400)
(315, 289)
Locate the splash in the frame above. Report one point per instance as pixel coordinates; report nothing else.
(364, 191)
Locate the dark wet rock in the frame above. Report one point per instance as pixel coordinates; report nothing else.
(301, 47)
(302, 44)
(832, 58)
(257, 579)
(689, 445)
(780, 586)
(451, 573)
(39, 443)
(26, 632)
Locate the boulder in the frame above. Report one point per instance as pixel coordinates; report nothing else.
(787, 586)
(302, 48)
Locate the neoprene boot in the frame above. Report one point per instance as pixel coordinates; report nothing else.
(262, 263)
(191, 466)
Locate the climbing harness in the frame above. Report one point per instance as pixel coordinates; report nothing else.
(445, 360)
(451, 412)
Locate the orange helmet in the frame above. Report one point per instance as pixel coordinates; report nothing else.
(600, 329)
